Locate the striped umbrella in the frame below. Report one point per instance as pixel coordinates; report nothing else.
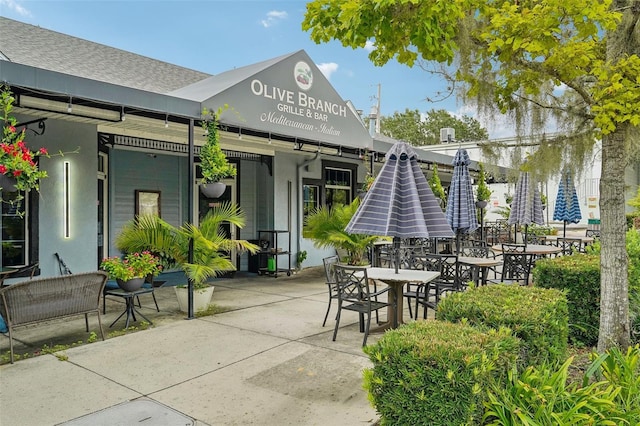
(461, 208)
(526, 207)
(400, 203)
(567, 207)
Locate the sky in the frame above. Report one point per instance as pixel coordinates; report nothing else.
(214, 36)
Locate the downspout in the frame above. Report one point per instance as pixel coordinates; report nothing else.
(299, 198)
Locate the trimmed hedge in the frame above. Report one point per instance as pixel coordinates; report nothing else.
(436, 372)
(537, 316)
(579, 276)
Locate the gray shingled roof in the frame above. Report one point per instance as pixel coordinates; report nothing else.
(41, 48)
(209, 87)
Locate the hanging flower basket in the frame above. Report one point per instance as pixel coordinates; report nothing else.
(213, 189)
(16, 160)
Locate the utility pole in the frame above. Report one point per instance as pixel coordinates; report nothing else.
(378, 109)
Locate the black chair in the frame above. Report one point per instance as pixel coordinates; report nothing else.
(356, 294)
(480, 250)
(593, 233)
(451, 278)
(331, 280)
(516, 265)
(570, 245)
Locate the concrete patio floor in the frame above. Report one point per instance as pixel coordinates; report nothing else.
(265, 361)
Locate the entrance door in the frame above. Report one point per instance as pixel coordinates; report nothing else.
(102, 207)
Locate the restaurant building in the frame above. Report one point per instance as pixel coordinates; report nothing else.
(130, 130)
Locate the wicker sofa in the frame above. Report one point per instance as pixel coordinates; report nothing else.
(36, 301)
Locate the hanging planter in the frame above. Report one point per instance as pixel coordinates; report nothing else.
(213, 162)
(17, 162)
(213, 189)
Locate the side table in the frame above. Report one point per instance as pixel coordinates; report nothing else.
(130, 308)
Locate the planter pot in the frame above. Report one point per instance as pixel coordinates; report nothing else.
(131, 285)
(201, 298)
(213, 189)
(8, 183)
(481, 204)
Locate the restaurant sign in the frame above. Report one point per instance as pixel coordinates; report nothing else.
(293, 98)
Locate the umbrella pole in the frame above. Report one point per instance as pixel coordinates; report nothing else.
(526, 228)
(564, 229)
(396, 252)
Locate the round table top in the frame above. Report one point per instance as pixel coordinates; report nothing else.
(539, 249)
(479, 261)
(555, 238)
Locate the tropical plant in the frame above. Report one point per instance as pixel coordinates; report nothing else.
(133, 265)
(213, 161)
(210, 244)
(16, 160)
(326, 228)
(569, 63)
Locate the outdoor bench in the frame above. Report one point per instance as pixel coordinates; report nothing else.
(36, 301)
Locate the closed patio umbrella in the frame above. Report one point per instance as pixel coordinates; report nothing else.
(526, 207)
(400, 203)
(461, 209)
(567, 208)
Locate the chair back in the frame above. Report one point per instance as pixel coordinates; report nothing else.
(447, 265)
(536, 239)
(516, 266)
(593, 233)
(352, 283)
(570, 245)
(329, 270)
(513, 248)
(476, 251)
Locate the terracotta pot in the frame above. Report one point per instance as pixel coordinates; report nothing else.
(8, 183)
(213, 189)
(131, 285)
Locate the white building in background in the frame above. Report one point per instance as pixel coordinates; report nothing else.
(587, 182)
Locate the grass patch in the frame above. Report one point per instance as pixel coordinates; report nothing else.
(212, 309)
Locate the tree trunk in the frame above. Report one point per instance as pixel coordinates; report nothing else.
(614, 287)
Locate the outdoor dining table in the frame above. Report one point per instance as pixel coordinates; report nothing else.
(480, 266)
(585, 240)
(537, 249)
(397, 281)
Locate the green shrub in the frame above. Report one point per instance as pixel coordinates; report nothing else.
(436, 372)
(541, 396)
(579, 276)
(537, 316)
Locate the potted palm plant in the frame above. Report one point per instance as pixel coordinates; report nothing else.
(326, 228)
(483, 191)
(210, 246)
(213, 161)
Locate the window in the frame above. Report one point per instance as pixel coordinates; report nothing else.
(335, 187)
(310, 198)
(14, 230)
(20, 228)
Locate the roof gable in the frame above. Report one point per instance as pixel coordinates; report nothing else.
(287, 95)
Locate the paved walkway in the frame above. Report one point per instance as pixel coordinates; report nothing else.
(266, 361)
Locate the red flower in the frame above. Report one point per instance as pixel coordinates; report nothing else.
(43, 151)
(3, 169)
(12, 129)
(17, 173)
